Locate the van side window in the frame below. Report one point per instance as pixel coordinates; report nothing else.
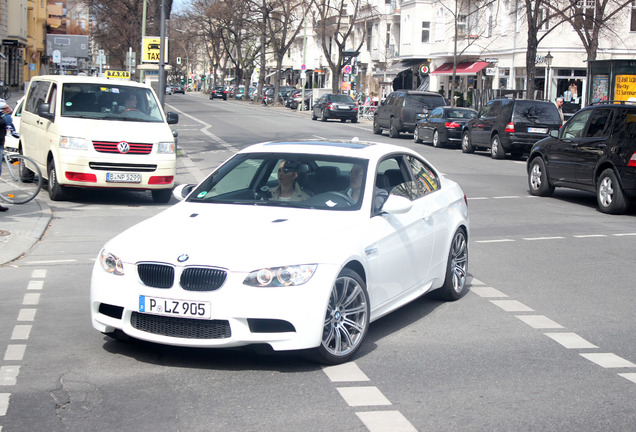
(37, 95)
(52, 99)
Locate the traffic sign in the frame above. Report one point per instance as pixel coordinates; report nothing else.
(347, 69)
(303, 67)
(423, 69)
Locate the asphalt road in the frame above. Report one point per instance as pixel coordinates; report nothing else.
(545, 340)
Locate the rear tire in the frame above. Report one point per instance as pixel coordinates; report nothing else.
(538, 182)
(436, 142)
(416, 136)
(454, 286)
(609, 195)
(393, 132)
(496, 149)
(354, 120)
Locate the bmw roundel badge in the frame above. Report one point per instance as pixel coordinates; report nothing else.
(183, 257)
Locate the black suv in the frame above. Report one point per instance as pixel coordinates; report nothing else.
(510, 126)
(402, 109)
(594, 151)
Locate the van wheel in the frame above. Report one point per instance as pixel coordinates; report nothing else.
(57, 192)
(161, 196)
(496, 149)
(26, 175)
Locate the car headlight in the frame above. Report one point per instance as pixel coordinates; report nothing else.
(74, 143)
(281, 276)
(111, 263)
(165, 148)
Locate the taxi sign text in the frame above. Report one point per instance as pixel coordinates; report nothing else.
(117, 74)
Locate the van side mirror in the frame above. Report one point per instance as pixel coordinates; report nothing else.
(172, 117)
(44, 111)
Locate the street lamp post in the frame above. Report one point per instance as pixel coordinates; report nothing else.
(548, 62)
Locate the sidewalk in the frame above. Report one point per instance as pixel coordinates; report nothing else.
(21, 227)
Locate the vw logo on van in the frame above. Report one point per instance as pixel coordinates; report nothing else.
(123, 147)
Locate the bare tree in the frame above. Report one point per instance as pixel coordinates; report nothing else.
(334, 23)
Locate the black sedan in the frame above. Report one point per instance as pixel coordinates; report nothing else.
(336, 106)
(218, 92)
(443, 126)
(179, 89)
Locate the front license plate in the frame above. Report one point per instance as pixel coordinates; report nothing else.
(172, 307)
(538, 130)
(123, 178)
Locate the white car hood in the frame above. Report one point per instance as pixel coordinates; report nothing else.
(241, 238)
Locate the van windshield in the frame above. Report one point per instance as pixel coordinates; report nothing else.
(110, 102)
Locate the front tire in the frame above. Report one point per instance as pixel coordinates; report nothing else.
(393, 131)
(538, 182)
(346, 320)
(454, 286)
(57, 192)
(467, 147)
(323, 116)
(161, 196)
(313, 115)
(609, 195)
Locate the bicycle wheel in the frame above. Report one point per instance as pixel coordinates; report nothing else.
(7, 93)
(21, 179)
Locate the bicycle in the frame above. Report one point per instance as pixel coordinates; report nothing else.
(366, 112)
(21, 178)
(5, 91)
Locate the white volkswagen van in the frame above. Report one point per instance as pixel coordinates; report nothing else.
(91, 132)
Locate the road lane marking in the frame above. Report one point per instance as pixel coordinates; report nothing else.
(50, 262)
(494, 241)
(26, 314)
(487, 292)
(570, 340)
(590, 236)
(9, 375)
(31, 299)
(4, 403)
(14, 352)
(35, 285)
(363, 396)
(345, 372)
(511, 306)
(543, 238)
(625, 234)
(539, 321)
(21, 332)
(608, 360)
(629, 376)
(38, 274)
(506, 197)
(385, 421)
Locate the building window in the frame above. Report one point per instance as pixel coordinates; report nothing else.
(584, 14)
(462, 26)
(426, 31)
(388, 34)
(543, 19)
(490, 24)
(632, 25)
(439, 25)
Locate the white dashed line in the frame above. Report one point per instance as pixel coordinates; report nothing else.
(570, 340)
(494, 241)
(487, 292)
(31, 299)
(625, 235)
(38, 274)
(511, 306)
(608, 360)
(386, 421)
(35, 285)
(21, 332)
(50, 262)
(26, 314)
(543, 238)
(14, 352)
(590, 236)
(629, 376)
(4, 403)
(9, 375)
(363, 396)
(345, 372)
(539, 322)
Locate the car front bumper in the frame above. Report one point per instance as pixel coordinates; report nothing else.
(286, 318)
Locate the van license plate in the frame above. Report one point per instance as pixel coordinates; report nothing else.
(538, 130)
(172, 307)
(123, 178)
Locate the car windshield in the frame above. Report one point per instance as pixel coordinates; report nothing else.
(422, 101)
(110, 102)
(285, 180)
(531, 111)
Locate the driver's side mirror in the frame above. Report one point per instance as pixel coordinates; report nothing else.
(554, 133)
(44, 111)
(172, 117)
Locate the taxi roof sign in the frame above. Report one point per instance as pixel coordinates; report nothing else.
(117, 74)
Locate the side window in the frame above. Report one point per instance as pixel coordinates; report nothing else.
(399, 101)
(495, 109)
(486, 109)
(600, 123)
(52, 99)
(576, 125)
(390, 99)
(437, 113)
(425, 178)
(37, 95)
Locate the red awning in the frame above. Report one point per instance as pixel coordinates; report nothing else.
(463, 68)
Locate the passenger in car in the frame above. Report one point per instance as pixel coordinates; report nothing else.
(288, 188)
(355, 182)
